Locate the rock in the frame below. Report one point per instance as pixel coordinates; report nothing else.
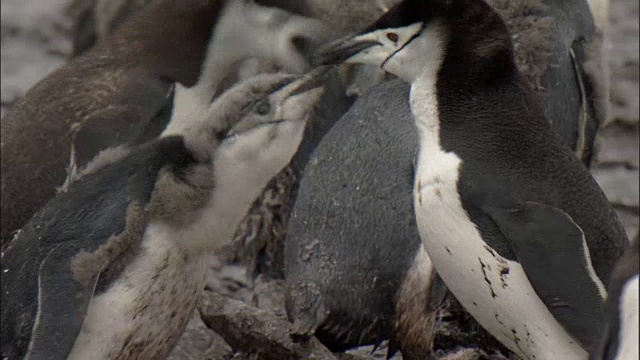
(620, 185)
(269, 295)
(624, 101)
(618, 144)
(367, 352)
(470, 354)
(349, 356)
(254, 330)
(625, 62)
(198, 342)
(232, 281)
(630, 221)
(34, 43)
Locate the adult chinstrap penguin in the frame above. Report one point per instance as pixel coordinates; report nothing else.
(122, 90)
(351, 187)
(503, 207)
(112, 266)
(619, 338)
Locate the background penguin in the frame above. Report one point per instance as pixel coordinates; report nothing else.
(576, 86)
(121, 91)
(480, 193)
(369, 152)
(619, 340)
(344, 16)
(342, 283)
(94, 20)
(112, 266)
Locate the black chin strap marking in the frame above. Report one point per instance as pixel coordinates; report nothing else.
(402, 47)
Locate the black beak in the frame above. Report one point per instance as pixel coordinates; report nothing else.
(336, 52)
(314, 79)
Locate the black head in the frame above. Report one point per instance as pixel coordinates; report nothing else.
(417, 34)
(406, 13)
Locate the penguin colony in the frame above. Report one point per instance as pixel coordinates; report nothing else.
(164, 156)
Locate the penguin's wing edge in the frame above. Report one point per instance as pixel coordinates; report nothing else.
(123, 124)
(553, 252)
(591, 88)
(53, 335)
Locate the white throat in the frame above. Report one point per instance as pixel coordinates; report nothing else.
(424, 54)
(423, 98)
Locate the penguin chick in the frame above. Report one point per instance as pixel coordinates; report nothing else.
(619, 340)
(513, 222)
(121, 91)
(112, 267)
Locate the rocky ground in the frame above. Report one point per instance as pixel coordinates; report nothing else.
(35, 41)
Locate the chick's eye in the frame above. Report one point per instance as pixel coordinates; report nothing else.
(263, 108)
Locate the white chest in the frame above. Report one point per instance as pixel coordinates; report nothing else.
(494, 290)
(144, 312)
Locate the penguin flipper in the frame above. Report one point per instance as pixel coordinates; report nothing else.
(105, 129)
(125, 124)
(53, 334)
(552, 250)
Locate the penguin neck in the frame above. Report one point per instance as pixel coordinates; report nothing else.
(423, 101)
(470, 54)
(217, 66)
(193, 102)
(478, 48)
(236, 189)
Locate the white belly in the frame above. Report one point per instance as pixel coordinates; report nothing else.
(145, 311)
(494, 290)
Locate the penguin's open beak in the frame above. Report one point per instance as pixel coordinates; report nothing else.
(293, 97)
(375, 47)
(341, 50)
(316, 78)
(300, 97)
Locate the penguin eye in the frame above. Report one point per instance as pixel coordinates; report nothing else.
(392, 36)
(301, 44)
(220, 135)
(263, 108)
